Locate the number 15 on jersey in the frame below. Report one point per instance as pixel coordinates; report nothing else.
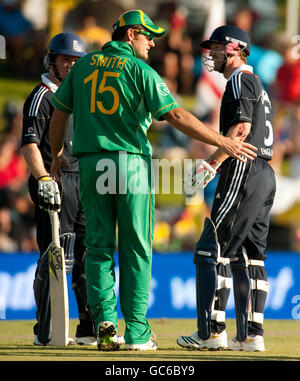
(103, 88)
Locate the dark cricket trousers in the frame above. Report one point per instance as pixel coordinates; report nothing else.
(71, 220)
(240, 212)
(71, 216)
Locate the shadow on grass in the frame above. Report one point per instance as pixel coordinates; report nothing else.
(76, 353)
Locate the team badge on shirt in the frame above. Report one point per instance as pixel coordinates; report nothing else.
(76, 45)
(162, 89)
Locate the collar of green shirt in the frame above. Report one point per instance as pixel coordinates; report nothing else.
(119, 46)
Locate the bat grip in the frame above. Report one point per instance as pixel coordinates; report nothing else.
(55, 228)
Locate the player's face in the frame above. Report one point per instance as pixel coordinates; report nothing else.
(141, 45)
(217, 54)
(64, 64)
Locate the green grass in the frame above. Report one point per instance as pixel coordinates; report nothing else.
(282, 340)
(15, 90)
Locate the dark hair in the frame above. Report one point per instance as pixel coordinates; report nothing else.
(120, 33)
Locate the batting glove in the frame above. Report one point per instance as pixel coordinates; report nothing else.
(67, 242)
(202, 173)
(48, 194)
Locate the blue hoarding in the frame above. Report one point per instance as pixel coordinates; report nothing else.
(173, 292)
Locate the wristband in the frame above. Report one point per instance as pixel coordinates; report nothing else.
(44, 177)
(213, 163)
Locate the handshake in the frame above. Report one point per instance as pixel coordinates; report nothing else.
(48, 194)
(202, 173)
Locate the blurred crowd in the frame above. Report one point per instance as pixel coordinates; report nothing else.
(275, 58)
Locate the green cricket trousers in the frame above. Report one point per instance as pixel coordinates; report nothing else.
(118, 199)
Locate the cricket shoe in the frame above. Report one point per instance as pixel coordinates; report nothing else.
(106, 337)
(85, 333)
(39, 344)
(90, 340)
(119, 339)
(251, 344)
(149, 346)
(216, 341)
(86, 340)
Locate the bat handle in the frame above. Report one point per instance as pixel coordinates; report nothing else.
(55, 228)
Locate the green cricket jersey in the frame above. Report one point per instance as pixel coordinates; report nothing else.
(113, 96)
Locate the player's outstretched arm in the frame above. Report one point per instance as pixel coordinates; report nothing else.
(193, 127)
(205, 170)
(237, 132)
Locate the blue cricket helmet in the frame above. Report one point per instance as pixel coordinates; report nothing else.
(64, 43)
(67, 43)
(226, 34)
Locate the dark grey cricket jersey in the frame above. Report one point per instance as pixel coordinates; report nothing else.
(245, 100)
(37, 112)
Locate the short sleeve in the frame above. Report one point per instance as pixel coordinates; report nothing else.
(245, 97)
(37, 110)
(158, 98)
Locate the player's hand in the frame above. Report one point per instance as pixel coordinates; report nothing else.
(48, 194)
(67, 242)
(238, 149)
(202, 173)
(56, 165)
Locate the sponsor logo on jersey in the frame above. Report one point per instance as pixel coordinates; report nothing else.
(30, 132)
(162, 89)
(266, 151)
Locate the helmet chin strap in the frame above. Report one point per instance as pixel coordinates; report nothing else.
(223, 66)
(49, 61)
(56, 73)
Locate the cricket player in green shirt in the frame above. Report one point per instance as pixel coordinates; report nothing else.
(113, 96)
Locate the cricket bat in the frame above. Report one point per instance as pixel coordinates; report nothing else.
(58, 287)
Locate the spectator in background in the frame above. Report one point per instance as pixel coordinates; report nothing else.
(7, 244)
(37, 13)
(25, 36)
(287, 84)
(17, 229)
(16, 209)
(92, 34)
(13, 171)
(286, 94)
(180, 42)
(174, 55)
(264, 60)
(15, 28)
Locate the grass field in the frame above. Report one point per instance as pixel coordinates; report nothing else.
(282, 340)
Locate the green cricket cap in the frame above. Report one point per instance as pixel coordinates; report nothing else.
(138, 17)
